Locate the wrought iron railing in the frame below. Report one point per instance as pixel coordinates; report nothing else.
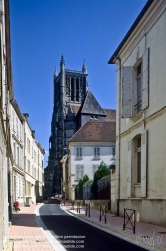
(128, 219)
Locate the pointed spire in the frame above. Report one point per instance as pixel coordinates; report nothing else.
(62, 63)
(84, 70)
(55, 73)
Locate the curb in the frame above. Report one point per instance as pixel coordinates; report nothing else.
(118, 233)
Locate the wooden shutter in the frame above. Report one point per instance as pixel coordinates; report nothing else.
(129, 168)
(77, 172)
(127, 77)
(143, 162)
(81, 171)
(145, 79)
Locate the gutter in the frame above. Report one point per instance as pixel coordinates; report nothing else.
(119, 131)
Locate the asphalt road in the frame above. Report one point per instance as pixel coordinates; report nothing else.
(68, 229)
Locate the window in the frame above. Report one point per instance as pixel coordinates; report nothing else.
(135, 87)
(28, 166)
(32, 170)
(14, 151)
(138, 105)
(25, 140)
(20, 132)
(13, 118)
(139, 160)
(20, 161)
(96, 152)
(17, 157)
(17, 126)
(79, 172)
(79, 152)
(32, 151)
(113, 151)
(94, 169)
(137, 164)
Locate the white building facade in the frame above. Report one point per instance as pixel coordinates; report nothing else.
(33, 165)
(141, 119)
(92, 144)
(17, 142)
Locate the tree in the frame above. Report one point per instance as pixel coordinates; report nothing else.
(83, 180)
(100, 173)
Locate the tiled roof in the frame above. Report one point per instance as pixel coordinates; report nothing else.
(111, 114)
(95, 131)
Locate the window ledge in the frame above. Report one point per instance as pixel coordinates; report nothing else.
(96, 158)
(78, 158)
(137, 185)
(137, 116)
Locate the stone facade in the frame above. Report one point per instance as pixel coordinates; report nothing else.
(74, 104)
(6, 95)
(70, 88)
(140, 123)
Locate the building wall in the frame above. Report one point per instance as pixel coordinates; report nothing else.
(33, 165)
(17, 179)
(150, 34)
(88, 161)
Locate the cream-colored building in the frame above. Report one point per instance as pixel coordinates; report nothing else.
(141, 116)
(17, 142)
(6, 95)
(33, 165)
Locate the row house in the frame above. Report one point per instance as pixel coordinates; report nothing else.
(6, 95)
(33, 164)
(92, 144)
(17, 142)
(141, 116)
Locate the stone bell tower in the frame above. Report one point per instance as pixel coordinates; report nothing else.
(70, 88)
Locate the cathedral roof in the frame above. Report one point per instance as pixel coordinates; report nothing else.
(95, 131)
(90, 105)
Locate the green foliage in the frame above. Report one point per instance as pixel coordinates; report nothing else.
(100, 173)
(83, 180)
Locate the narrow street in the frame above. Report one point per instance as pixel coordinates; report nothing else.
(76, 235)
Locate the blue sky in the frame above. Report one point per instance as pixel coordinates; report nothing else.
(43, 30)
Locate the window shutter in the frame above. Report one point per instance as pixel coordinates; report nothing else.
(77, 172)
(81, 172)
(80, 152)
(20, 164)
(129, 169)
(127, 76)
(145, 79)
(143, 162)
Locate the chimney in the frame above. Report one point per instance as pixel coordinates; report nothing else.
(33, 133)
(26, 115)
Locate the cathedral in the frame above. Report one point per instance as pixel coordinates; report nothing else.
(74, 104)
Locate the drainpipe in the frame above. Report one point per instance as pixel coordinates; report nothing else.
(119, 131)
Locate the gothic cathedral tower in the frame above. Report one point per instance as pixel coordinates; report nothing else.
(70, 88)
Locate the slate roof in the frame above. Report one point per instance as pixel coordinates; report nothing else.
(95, 131)
(90, 105)
(110, 114)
